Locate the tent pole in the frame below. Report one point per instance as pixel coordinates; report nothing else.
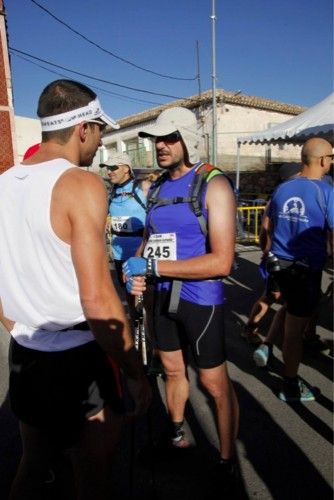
(237, 178)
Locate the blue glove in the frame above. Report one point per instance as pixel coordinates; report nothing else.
(138, 266)
(135, 266)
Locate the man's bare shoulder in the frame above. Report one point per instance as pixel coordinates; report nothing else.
(79, 182)
(219, 188)
(220, 181)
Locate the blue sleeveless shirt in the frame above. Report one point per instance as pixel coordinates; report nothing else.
(301, 212)
(127, 216)
(190, 241)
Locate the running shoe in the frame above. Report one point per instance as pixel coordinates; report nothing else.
(261, 355)
(180, 441)
(315, 344)
(297, 391)
(223, 479)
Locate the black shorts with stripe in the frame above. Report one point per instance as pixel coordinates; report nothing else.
(201, 327)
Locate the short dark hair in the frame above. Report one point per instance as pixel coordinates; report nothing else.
(61, 96)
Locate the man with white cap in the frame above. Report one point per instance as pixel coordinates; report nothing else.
(127, 210)
(189, 266)
(58, 301)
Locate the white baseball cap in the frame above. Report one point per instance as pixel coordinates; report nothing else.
(118, 159)
(176, 119)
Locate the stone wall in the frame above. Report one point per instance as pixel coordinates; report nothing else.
(256, 184)
(7, 152)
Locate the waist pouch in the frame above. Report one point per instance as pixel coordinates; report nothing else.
(299, 266)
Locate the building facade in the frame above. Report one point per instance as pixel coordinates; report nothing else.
(237, 115)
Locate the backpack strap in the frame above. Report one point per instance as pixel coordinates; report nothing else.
(136, 196)
(152, 196)
(204, 173)
(133, 193)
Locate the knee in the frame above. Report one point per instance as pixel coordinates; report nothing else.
(174, 372)
(217, 387)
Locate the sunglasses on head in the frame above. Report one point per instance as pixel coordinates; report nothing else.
(173, 137)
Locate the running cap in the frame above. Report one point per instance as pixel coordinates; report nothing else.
(31, 151)
(92, 112)
(117, 159)
(177, 119)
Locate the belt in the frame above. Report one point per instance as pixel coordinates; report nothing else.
(79, 326)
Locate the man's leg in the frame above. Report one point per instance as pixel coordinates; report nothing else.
(218, 384)
(264, 351)
(37, 454)
(92, 458)
(259, 310)
(177, 384)
(293, 343)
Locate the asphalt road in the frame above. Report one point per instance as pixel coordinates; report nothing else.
(284, 451)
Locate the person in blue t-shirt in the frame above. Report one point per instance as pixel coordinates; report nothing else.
(127, 210)
(298, 225)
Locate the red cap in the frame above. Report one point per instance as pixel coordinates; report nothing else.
(31, 151)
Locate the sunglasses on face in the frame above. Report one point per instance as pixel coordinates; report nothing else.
(170, 138)
(102, 126)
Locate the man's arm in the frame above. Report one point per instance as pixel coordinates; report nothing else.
(8, 324)
(265, 232)
(80, 197)
(221, 207)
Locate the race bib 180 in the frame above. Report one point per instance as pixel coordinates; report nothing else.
(121, 224)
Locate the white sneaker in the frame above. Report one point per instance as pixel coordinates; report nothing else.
(261, 355)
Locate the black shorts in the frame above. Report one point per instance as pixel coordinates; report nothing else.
(271, 285)
(301, 290)
(201, 327)
(58, 391)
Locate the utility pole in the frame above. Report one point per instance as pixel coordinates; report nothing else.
(214, 103)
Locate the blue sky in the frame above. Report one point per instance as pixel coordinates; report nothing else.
(278, 49)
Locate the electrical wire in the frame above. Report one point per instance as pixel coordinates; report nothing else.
(108, 51)
(94, 78)
(108, 92)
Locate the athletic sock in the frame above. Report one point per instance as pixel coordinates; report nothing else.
(227, 464)
(177, 430)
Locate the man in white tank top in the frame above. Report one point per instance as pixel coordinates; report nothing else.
(58, 301)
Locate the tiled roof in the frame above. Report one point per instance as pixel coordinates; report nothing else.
(205, 99)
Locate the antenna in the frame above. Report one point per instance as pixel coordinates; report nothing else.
(214, 102)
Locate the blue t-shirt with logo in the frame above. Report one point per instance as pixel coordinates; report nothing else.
(301, 213)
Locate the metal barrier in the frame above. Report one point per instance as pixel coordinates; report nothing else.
(249, 223)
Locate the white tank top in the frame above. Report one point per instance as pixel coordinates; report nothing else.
(38, 285)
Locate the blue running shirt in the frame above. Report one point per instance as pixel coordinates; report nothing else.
(301, 212)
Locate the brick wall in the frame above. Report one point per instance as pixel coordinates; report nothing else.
(6, 111)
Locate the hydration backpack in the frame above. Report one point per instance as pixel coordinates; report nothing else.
(203, 173)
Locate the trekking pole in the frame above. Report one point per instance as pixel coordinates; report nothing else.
(140, 333)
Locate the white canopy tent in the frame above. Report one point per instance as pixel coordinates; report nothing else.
(317, 121)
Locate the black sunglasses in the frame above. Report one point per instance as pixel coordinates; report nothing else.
(173, 137)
